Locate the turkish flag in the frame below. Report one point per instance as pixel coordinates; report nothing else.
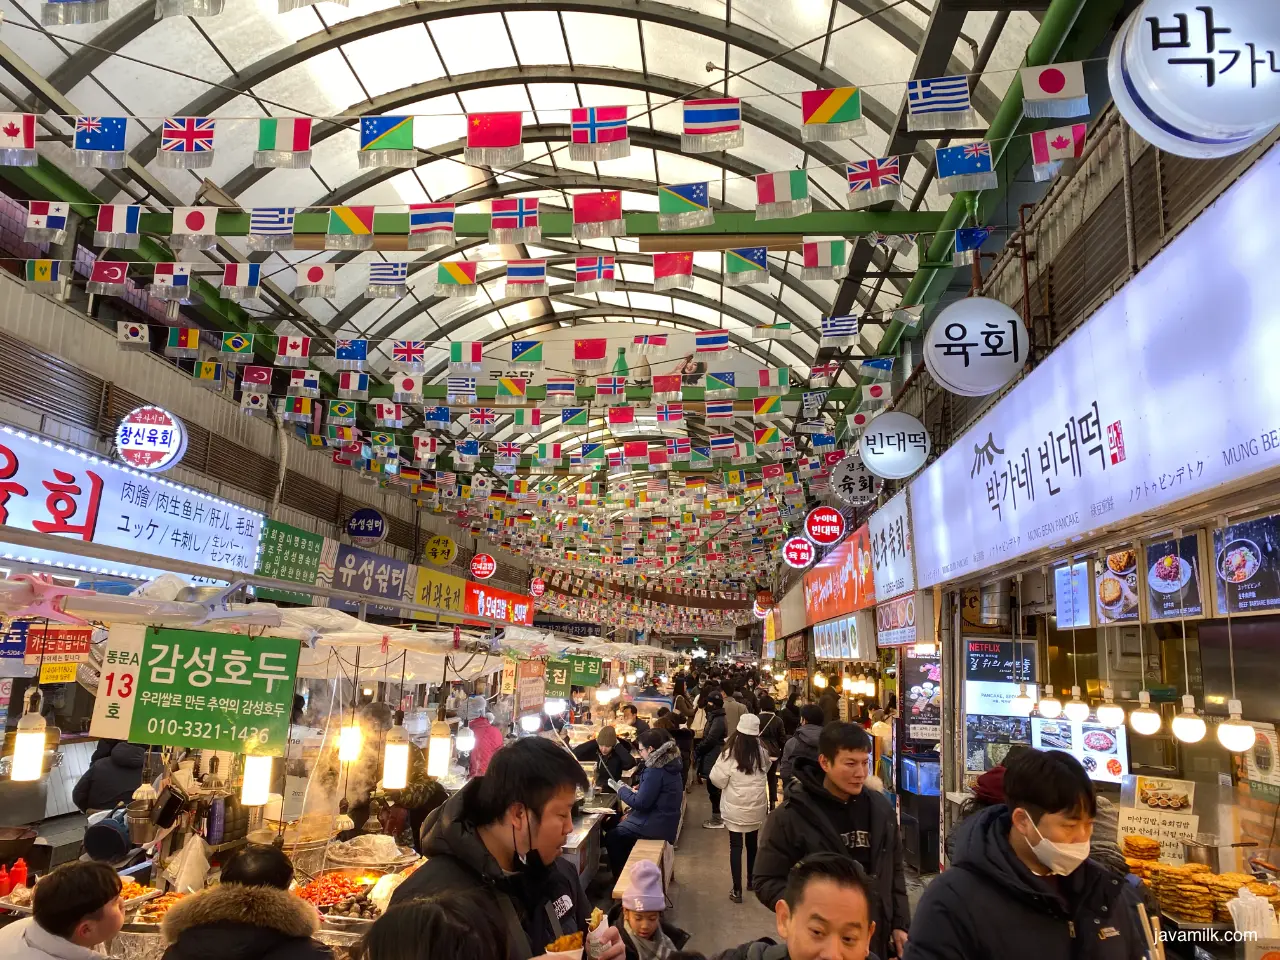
(255, 375)
(108, 271)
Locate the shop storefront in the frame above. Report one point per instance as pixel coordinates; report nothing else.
(839, 596)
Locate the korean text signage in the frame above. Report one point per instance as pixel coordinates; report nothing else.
(891, 549)
(824, 525)
(531, 678)
(842, 581)
(1126, 417)
(798, 553)
(440, 550)
(150, 439)
(585, 671)
(994, 660)
(288, 553)
(896, 622)
(537, 587)
(1247, 565)
(363, 572)
(54, 643)
(53, 489)
(483, 566)
(442, 591)
(484, 601)
(557, 683)
(366, 527)
(217, 691)
(853, 482)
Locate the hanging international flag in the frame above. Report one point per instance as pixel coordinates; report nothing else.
(561, 391)
(622, 419)
(877, 368)
(194, 228)
(821, 375)
(353, 385)
(237, 347)
(283, 142)
(256, 377)
(46, 221)
(598, 215)
(254, 402)
(387, 280)
(710, 341)
(1056, 90)
(671, 413)
(387, 142)
(940, 103)
(969, 241)
(304, 383)
(118, 226)
(768, 439)
(649, 344)
(350, 354)
(99, 142)
(108, 278)
(784, 194)
(611, 390)
(683, 206)
(527, 278)
(679, 448)
(293, 351)
(672, 271)
(968, 166)
(1052, 151)
(315, 280)
(511, 390)
(831, 115)
(722, 385)
(132, 336)
(466, 356)
(526, 354)
(407, 388)
(526, 419)
(873, 181)
(482, 419)
(409, 356)
(182, 342)
(388, 414)
(744, 452)
(186, 143)
(495, 139)
(718, 410)
(636, 451)
(508, 451)
(297, 409)
(425, 448)
(773, 380)
(514, 220)
(594, 275)
(711, 124)
(270, 228)
(788, 448)
(667, 386)
(350, 228)
(746, 265)
(598, 133)
(699, 457)
(901, 242)
(839, 331)
(772, 331)
(723, 445)
(437, 417)
(658, 461)
(241, 281)
(590, 353)
(812, 401)
(172, 281)
(767, 408)
(431, 225)
(573, 417)
(875, 394)
(548, 453)
(18, 140)
(456, 278)
(824, 260)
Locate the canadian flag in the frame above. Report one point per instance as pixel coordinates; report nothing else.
(294, 346)
(1061, 143)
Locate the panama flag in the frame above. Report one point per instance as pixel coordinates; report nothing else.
(712, 124)
(46, 221)
(673, 271)
(834, 114)
(784, 194)
(824, 260)
(711, 341)
(598, 133)
(172, 281)
(283, 142)
(1052, 149)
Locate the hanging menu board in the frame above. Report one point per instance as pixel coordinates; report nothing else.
(1247, 566)
(994, 660)
(1173, 578)
(922, 697)
(1102, 751)
(1115, 589)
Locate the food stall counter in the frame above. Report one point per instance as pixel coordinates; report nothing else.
(582, 846)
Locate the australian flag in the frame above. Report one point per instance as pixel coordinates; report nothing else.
(436, 418)
(100, 133)
(967, 166)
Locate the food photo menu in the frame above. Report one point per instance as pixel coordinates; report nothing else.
(1102, 751)
(1174, 588)
(1247, 566)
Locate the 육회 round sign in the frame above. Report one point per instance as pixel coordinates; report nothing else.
(1198, 80)
(797, 553)
(483, 566)
(151, 439)
(894, 445)
(366, 527)
(853, 482)
(975, 346)
(537, 587)
(824, 525)
(440, 550)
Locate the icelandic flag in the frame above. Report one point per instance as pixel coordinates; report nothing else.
(708, 341)
(966, 166)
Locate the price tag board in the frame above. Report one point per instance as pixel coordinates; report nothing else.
(58, 673)
(1169, 828)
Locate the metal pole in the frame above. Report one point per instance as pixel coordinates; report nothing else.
(1130, 238)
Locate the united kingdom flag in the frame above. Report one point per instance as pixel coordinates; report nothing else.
(509, 451)
(873, 174)
(482, 417)
(409, 351)
(187, 135)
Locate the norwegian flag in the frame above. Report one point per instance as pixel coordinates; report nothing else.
(409, 354)
(678, 448)
(611, 386)
(514, 220)
(594, 274)
(670, 412)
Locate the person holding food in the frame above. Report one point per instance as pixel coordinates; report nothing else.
(249, 915)
(638, 915)
(654, 812)
(74, 909)
(501, 836)
(1021, 882)
(611, 756)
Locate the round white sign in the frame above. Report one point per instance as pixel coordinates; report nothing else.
(894, 445)
(1197, 80)
(853, 482)
(150, 439)
(975, 346)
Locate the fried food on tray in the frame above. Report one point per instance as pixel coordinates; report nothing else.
(570, 941)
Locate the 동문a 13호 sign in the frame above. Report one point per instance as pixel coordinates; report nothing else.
(891, 559)
(1127, 416)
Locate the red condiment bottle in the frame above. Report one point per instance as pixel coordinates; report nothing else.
(4, 881)
(18, 874)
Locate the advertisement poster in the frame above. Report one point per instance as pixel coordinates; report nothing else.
(988, 739)
(922, 697)
(842, 581)
(896, 622)
(1115, 587)
(481, 600)
(837, 640)
(1247, 565)
(797, 649)
(288, 553)
(994, 660)
(531, 682)
(1102, 751)
(1262, 763)
(1170, 829)
(1173, 578)
(1161, 793)
(56, 643)
(1071, 595)
(891, 559)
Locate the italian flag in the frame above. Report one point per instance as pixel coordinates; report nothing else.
(284, 133)
(825, 253)
(468, 351)
(777, 187)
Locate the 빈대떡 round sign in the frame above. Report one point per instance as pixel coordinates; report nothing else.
(798, 553)
(483, 566)
(975, 346)
(150, 439)
(853, 482)
(366, 527)
(824, 525)
(894, 445)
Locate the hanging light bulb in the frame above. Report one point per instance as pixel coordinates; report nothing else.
(1076, 709)
(395, 757)
(631, 678)
(1188, 726)
(1049, 707)
(1234, 734)
(779, 676)
(256, 788)
(438, 750)
(1144, 720)
(28, 744)
(531, 723)
(1110, 713)
(819, 680)
(1022, 704)
(465, 741)
(554, 707)
(847, 685)
(350, 743)
(603, 695)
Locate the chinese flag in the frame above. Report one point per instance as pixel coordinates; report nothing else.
(597, 207)
(666, 383)
(590, 350)
(672, 264)
(636, 450)
(493, 129)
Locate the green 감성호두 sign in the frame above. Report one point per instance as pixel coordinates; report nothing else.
(288, 553)
(557, 682)
(218, 691)
(586, 671)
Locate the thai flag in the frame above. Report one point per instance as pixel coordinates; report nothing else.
(526, 271)
(561, 386)
(431, 218)
(594, 268)
(706, 341)
(719, 409)
(723, 443)
(719, 115)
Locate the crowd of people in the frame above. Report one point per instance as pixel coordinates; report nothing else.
(791, 787)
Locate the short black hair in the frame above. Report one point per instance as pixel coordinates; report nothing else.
(839, 868)
(811, 713)
(839, 736)
(71, 893)
(455, 925)
(1048, 781)
(259, 866)
(631, 707)
(530, 772)
(654, 737)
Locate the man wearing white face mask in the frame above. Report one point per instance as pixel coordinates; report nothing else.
(1021, 884)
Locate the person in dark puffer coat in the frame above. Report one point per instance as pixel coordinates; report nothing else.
(655, 802)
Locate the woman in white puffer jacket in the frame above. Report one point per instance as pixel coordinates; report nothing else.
(741, 773)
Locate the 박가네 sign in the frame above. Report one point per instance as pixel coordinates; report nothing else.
(217, 691)
(50, 488)
(150, 439)
(891, 549)
(842, 581)
(1125, 417)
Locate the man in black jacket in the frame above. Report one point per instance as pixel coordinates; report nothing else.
(828, 809)
(502, 835)
(1020, 883)
(611, 756)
